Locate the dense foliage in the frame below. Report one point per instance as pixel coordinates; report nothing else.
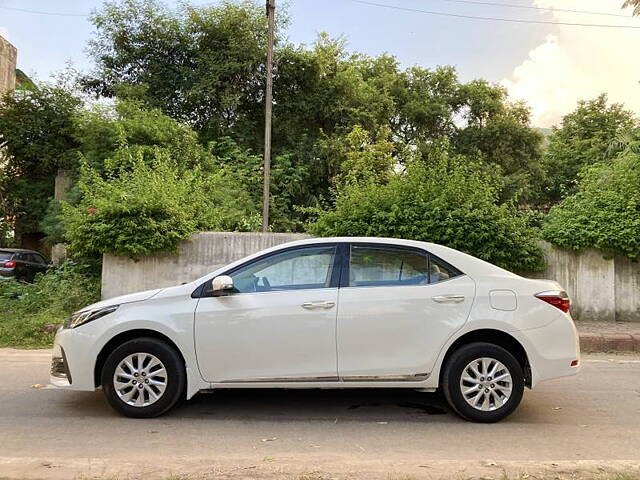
(30, 313)
(447, 200)
(148, 209)
(205, 66)
(145, 185)
(583, 139)
(36, 139)
(604, 213)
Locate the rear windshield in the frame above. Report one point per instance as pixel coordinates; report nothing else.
(5, 255)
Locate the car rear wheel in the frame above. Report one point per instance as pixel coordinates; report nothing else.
(143, 378)
(483, 382)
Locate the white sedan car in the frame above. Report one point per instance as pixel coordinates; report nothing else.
(327, 313)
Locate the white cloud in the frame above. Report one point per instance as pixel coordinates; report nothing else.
(579, 63)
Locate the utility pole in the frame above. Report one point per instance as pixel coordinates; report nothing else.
(271, 13)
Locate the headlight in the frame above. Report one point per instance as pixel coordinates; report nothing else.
(86, 316)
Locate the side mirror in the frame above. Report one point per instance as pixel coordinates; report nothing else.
(221, 284)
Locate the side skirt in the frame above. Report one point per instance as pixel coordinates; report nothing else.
(418, 377)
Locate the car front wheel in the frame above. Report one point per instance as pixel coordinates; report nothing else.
(143, 378)
(483, 382)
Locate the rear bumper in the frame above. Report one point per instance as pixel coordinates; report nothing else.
(553, 350)
(7, 274)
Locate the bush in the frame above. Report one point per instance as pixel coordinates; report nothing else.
(151, 208)
(25, 309)
(447, 201)
(604, 213)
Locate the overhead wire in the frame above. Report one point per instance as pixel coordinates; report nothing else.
(533, 7)
(494, 19)
(40, 12)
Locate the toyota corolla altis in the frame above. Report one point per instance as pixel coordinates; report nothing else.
(327, 313)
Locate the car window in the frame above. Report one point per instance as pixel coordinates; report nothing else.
(302, 268)
(5, 256)
(37, 258)
(440, 271)
(377, 266)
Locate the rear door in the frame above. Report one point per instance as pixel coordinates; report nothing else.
(22, 269)
(397, 308)
(39, 263)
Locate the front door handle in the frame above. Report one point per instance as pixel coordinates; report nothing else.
(321, 304)
(448, 298)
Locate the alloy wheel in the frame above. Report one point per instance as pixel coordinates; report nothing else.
(486, 384)
(140, 379)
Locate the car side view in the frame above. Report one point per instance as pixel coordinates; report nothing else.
(327, 313)
(20, 264)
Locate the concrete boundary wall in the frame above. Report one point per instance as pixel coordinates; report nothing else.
(601, 288)
(202, 254)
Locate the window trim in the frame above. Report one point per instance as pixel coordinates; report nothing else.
(346, 266)
(334, 282)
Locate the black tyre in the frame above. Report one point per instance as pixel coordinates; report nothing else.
(483, 382)
(143, 378)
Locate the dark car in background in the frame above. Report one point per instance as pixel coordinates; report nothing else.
(20, 264)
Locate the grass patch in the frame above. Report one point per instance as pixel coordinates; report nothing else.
(28, 312)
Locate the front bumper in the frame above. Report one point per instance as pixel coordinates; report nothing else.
(59, 368)
(70, 368)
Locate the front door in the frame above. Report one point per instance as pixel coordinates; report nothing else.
(397, 310)
(279, 323)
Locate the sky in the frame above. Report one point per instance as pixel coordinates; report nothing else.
(550, 67)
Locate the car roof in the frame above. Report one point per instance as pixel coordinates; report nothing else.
(18, 250)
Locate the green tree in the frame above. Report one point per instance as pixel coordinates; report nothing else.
(201, 65)
(605, 211)
(37, 133)
(214, 80)
(367, 161)
(108, 137)
(583, 139)
(146, 184)
(499, 133)
(448, 200)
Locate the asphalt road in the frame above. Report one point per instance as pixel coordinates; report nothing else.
(588, 421)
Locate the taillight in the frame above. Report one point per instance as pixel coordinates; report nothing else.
(10, 264)
(557, 298)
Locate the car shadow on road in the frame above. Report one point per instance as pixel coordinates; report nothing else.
(284, 405)
(308, 405)
(320, 405)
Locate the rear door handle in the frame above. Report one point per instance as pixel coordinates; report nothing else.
(448, 298)
(316, 305)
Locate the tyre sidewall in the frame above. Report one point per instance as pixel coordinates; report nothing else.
(175, 377)
(453, 371)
